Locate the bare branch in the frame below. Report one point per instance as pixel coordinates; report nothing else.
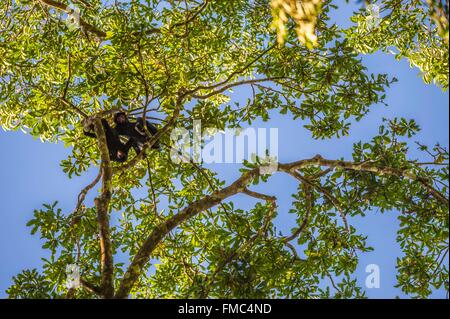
(84, 4)
(233, 74)
(259, 195)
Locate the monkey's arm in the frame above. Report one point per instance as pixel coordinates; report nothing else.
(88, 130)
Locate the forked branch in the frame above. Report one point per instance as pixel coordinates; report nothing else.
(142, 257)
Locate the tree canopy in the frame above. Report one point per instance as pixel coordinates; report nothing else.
(62, 62)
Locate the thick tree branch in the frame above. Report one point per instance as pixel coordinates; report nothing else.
(367, 167)
(141, 258)
(102, 205)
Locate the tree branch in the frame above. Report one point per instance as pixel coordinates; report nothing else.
(82, 196)
(248, 244)
(91, 287)
(239, 186)
(231, 85)
(65, 8)
(309, 205)
(200, 9)
(366, 167)
(259, 195)
(102, 205)
(141, 258)
(325, 192)
(233, 74)
(73, 106)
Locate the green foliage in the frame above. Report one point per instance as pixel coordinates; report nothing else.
(30, 285)
(405, 31)
(439, 12)
(134, 52)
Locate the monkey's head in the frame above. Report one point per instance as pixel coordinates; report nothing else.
(121, 156)
(120, 118)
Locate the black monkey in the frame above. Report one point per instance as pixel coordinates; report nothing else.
(118, 151)
(135, 130)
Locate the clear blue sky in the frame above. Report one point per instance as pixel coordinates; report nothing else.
(31, 175)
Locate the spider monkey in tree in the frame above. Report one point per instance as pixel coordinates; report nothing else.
(135, 131)
(118, 151)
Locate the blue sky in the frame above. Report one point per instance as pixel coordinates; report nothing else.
(31, 174)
